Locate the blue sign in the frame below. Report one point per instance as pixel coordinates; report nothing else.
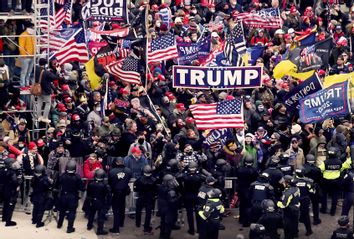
(190, 51)
(326, 103)
(218, 137)
(198, 77)
(308, 87)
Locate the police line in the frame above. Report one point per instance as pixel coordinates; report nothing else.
(217, 77)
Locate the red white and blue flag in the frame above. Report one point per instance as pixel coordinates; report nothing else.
(74, 49)
(162, 48)
(224, 114)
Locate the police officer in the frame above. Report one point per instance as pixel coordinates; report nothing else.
(275, 176)
(257, 231)
(9, 192)
(41, 185)
(210, 215)
(203, 195)
(313, 172)
(222, 168)
(284, 166)
(343, 232)
(290, 203)
(305, 186)
(259, 190)
(98, 195)
(348, 188)
(168, 203)
(146, 189)
(191, 182)
(246, 175)
(118, 179)
(271, 219)
(331, 172)
(70, 184)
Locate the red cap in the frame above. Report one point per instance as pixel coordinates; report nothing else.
(40, 143)
(230, 97)
(189, 120)
(65, 87)
(68, 100)
(321, 72)
(112, 83)
(75, 117)
(170, 95)
(32, 145)
(136, 150)
(293, 9)
(180, 106)
(155, 8)
(123, 91)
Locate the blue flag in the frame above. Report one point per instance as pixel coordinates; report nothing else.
(190, 51)
(254, 53)
(326, 103)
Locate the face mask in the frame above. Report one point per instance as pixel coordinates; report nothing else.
(212, 10)
(189, 153)
(214, 41)
(141, 141)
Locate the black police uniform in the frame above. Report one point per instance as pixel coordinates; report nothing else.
(313, 172)
(342, 233)
(168, 203)
(246, 175)
(348, 188)
(275, 179)
(290, 203)
(41, 186)
(70, 184)
(98, 196)
(191, 182)
(118, 179)
(286, 169)
(305, 186)
(271, 221)
(146, 188)
(259, 191)
(210, 219)
(10, 194)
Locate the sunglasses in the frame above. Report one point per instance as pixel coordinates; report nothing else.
(294, 142)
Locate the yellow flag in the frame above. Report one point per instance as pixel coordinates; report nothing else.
(245, 58)
(95, 80)
(286, 67)
(334, 79)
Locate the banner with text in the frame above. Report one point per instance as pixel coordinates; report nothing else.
(216, 77)
(190, 51)
(326, 103)
(105, 10)
(217, 137)
(308, 87)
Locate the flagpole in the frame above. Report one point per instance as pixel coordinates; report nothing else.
(146, 46)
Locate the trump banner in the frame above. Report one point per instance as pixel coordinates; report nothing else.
(308, 87)
(326, 103)
(217, 137)
(216, 77)
(190, 51)
(105, 10)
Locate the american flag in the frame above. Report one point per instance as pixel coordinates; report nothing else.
(127, 70)
(307, 54)
(235, 41)
(224, 114)
(162, 48)
(44, 15)
(74, 50)
(64, 14)
(264, 18)
(58, 38)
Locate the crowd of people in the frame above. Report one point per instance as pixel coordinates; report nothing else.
(146, 134)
